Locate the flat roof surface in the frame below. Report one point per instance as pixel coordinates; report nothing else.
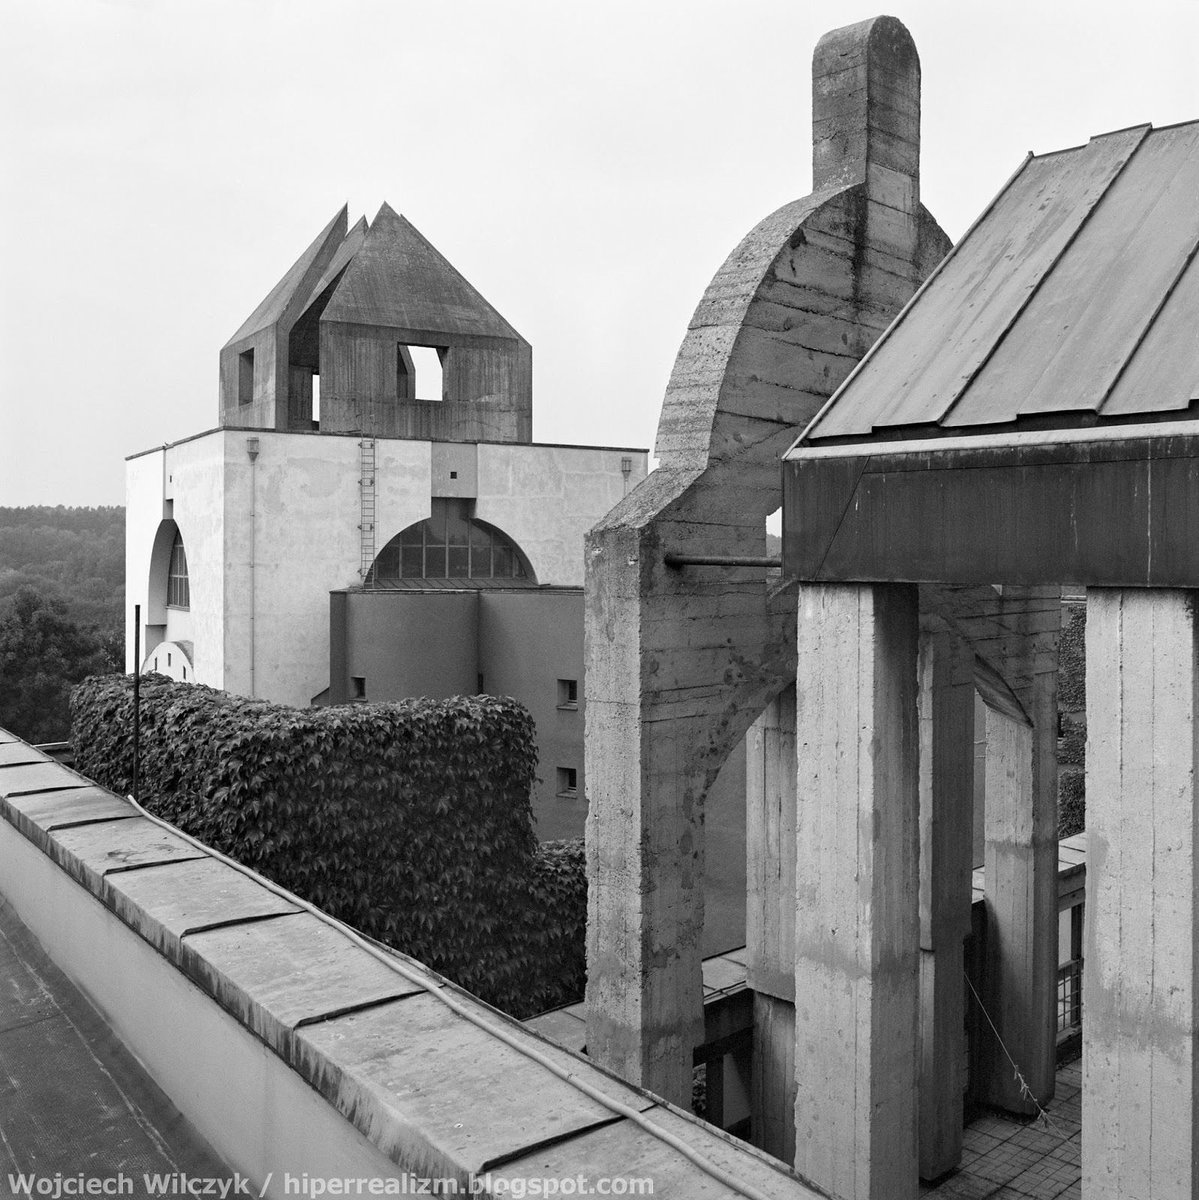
(1072, 300)
(72, 1097)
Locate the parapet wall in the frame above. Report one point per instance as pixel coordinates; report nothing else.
(295, 1047)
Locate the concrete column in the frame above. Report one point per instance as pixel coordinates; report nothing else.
(1140, 1134)
(856, 916)
(770, 922)
(946, 673)
(1021, 901)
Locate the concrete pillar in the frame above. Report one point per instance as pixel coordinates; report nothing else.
(856, 915)
(1021, 904)
(770, 922)
(1140, 1134)
(770, 848)
(946, 673)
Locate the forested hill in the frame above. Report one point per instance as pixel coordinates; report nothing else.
(74, 554)
(62, 610)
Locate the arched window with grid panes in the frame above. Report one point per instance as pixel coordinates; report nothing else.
(451, 544)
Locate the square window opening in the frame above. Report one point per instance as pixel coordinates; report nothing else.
(568, 693)
(568, 782)
(357, 687)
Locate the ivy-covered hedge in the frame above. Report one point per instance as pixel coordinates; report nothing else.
(408, 820)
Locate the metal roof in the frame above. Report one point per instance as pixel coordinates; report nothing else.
(1072, 300)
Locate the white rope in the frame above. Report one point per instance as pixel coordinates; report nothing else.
(475, 1018)
(1025, 1091)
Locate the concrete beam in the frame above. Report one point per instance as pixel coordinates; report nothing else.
(946, 673)
(857, 920)
(1140, 1133)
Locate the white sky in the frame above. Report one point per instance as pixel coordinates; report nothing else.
(586, 166)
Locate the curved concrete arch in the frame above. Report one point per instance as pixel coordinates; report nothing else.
(681, 661)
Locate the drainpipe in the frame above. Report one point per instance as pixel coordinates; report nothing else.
(252, 451)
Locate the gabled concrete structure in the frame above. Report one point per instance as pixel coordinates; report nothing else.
(348, 311)
(248, 544)
(1031, 417)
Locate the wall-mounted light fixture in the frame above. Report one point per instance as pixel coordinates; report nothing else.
(252, 448)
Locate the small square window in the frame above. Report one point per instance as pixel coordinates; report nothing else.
(357, 687)
(568, 693)
(453, 474)
(568, 782)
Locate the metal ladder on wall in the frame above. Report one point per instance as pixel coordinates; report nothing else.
(366, 499)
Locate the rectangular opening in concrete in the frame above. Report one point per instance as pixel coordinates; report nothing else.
(245, 377)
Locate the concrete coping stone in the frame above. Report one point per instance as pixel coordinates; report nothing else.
(437, 1093)
(13, 754)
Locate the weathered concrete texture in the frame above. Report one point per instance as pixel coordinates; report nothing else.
(946, 675)
(681, 661)
(348, 310)
(770, 803)
(1140, 1127)
(772, 1098)
(857, 920)
(1015, 632)
(425, 1088)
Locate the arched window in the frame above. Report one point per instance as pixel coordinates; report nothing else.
(451, 545)
(178, 590)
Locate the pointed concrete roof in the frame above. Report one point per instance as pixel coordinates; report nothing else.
(298, 282)
(398, 280)
(346, 251)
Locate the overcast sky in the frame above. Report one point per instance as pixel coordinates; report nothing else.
(586, 166)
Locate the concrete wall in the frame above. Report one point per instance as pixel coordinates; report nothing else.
(183, 483)
(408, 644)
(439, 643)
(527, 642)
(522, 487)
(294, 513)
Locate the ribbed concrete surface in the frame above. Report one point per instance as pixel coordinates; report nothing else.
(73, 1100)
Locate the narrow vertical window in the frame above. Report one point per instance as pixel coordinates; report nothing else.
(245, 377)
(178, 588)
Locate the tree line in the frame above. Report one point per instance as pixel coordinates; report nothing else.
(62, 610)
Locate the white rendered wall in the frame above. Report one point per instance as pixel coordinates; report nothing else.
(306, 510)
(184, 482)
(546, 498)
(296, 512)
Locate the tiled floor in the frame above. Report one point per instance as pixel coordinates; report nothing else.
(1006, 1160)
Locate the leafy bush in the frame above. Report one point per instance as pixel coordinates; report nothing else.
(558, 888)
(408, 820)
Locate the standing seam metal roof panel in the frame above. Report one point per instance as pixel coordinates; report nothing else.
(1074, 292)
